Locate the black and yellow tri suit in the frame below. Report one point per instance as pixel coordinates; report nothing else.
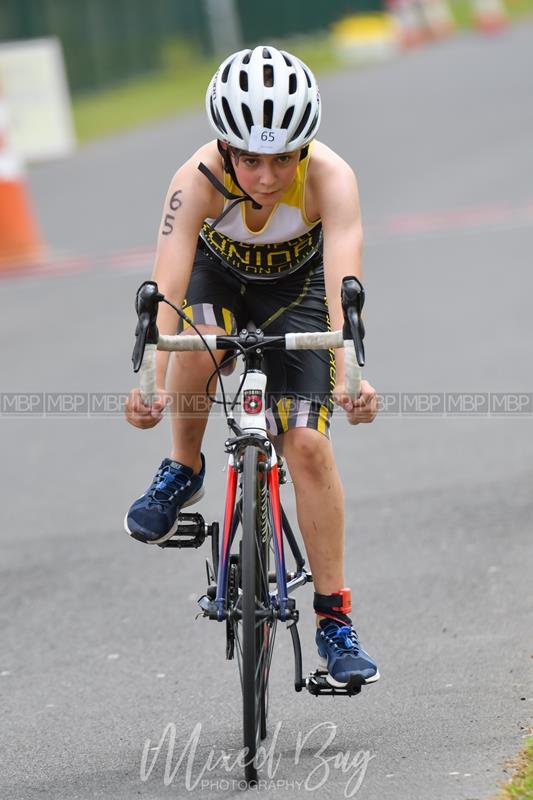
(275, 278)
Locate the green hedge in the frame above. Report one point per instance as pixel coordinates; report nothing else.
(107, 42)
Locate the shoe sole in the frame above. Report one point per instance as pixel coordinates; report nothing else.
(355, 680)
(140, 537)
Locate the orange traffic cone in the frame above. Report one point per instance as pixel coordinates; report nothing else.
(19, 239)
(490, 16)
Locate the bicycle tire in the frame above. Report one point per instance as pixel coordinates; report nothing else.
(256, 640)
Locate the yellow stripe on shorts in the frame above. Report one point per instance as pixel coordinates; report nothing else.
(322, 425)
(188, 311)
(284, 407)
(226, 316)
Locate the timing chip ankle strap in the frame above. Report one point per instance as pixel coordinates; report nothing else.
(334, 606)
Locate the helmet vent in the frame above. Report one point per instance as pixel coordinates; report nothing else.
(216, 117)
(268, 75)
(224, 76)
(288, 116)
(268, 112)
(308, 78)
(303, 123)
(292, 83)
(230, 118)
(287, 60)
(243, 80)
(246, 59)
(247, 114)
(312, 126)
(266, 53)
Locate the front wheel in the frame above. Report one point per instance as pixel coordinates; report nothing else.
(257, 626)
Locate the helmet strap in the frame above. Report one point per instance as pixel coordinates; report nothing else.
(228, 167)
(237, 198)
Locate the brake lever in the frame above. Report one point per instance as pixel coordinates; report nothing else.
(353, 299)
(147, 302)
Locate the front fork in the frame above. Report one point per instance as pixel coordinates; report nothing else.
(228, 532)
(231, 512)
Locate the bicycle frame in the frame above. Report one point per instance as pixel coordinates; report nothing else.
(253, 424)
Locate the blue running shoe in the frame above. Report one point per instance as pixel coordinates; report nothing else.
(343, 657)
(153, 518)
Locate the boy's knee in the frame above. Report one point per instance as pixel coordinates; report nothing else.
(307, 451)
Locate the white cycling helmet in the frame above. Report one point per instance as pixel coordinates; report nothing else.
(268, 90)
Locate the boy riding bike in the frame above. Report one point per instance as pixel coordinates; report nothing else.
(265, 231)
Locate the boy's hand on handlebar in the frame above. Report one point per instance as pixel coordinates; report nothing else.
(141, 416)
(365, 407)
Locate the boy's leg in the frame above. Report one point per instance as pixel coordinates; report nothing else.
(320, 509)
(214, 303)
(187, 377)
(319, 504)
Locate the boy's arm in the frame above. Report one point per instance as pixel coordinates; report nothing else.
(187, 204)
(343, 245)
(185, 208)
(343, 238)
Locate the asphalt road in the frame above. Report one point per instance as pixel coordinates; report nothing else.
(100, 648)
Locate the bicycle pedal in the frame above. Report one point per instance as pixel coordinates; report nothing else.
(316, 683)
(191, 532)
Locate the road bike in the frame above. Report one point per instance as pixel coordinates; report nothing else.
(249, 582)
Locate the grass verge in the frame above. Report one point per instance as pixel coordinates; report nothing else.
(178, 86)
(521, 785)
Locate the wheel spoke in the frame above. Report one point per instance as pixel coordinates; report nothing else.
(239, 654)
(271, 644)
(261, 659)
(263, 569)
